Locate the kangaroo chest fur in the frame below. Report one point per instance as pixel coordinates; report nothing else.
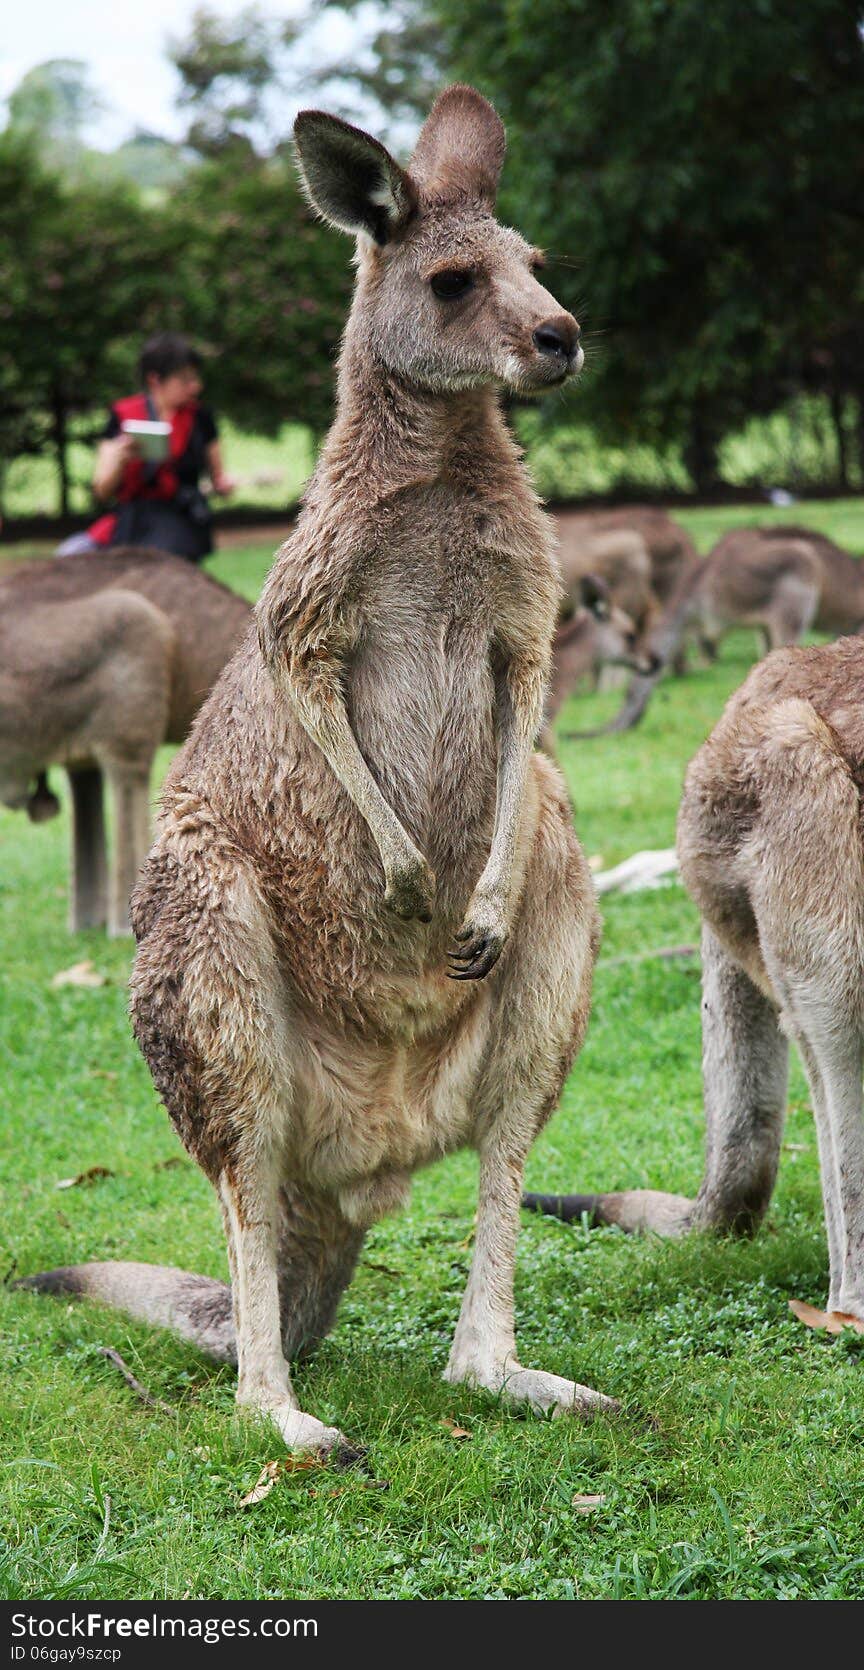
(420, 686)
(453, 571)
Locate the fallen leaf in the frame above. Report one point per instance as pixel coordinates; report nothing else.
(454, 1430)
(478, 1548)
(170, 1165)
(832, 1322)
(263, 1485)
(271, 1472)
(587, 1504)
(84, 1177)
(80, 974)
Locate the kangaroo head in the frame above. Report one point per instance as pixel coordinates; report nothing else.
(615, 635)
(447, 297)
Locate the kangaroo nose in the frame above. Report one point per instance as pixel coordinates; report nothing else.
(559, 337)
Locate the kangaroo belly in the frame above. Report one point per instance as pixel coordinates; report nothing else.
(427, 732)
(368, 1114)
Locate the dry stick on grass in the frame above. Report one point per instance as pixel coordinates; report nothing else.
(134, 1385)
(644, 956)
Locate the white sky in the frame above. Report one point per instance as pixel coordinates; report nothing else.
(123, 43)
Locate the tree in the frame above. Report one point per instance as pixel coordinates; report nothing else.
(699, 170)
(268, 291)
(85, 271)
(52, 105)
(226, 67)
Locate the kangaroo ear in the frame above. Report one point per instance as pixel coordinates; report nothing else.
(460, 151)
(595, 595)
(349, 178)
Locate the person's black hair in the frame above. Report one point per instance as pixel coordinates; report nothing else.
(167, 353)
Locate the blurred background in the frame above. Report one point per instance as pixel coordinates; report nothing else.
(695, 171)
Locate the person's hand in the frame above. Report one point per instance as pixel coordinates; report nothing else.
(123, 447)
(224, 485)
(111, 461)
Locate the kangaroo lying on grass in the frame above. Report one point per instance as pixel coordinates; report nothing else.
(771, 848)
(102, 658)
(366, 928)
(783, 580)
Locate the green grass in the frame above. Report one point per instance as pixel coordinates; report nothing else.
(734, 1469)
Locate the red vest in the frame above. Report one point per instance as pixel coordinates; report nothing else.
(136, 482)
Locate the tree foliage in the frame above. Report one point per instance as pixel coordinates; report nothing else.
(52, 105)
(703, 167)
(696, 173)
(228, 66)
(268, 294)
(81, 278)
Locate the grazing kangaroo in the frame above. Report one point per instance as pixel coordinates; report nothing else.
(616, 556)
(598, 635)
(102, 658)
(670, 549)
(366, 928)
(771, 848)
(786, 580)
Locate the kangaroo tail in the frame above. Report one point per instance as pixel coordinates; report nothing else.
(633, 1210)
(195, 1307)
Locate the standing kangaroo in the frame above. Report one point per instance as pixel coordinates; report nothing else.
(102, 658)
(366, 928)
(771, 848)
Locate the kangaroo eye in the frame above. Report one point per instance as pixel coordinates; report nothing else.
(450, 285)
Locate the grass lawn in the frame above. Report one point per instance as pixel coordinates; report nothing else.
(735, 1468)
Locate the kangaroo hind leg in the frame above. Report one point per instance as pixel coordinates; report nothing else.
(538, 1020)
(744, 1067)
(209, 1012)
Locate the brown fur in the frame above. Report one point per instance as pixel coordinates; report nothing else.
(598, 635)
(771, 847)
(366, 930)
(648, 555)
(783, 580)
(104, 657)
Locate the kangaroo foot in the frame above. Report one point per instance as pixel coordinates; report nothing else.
(541, 1391)
(301, 1432)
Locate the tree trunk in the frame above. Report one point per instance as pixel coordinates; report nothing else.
(60, 437)
(837, 411)
(700, 456)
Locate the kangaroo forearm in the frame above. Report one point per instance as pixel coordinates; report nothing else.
(325, 720)
(520, 708)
